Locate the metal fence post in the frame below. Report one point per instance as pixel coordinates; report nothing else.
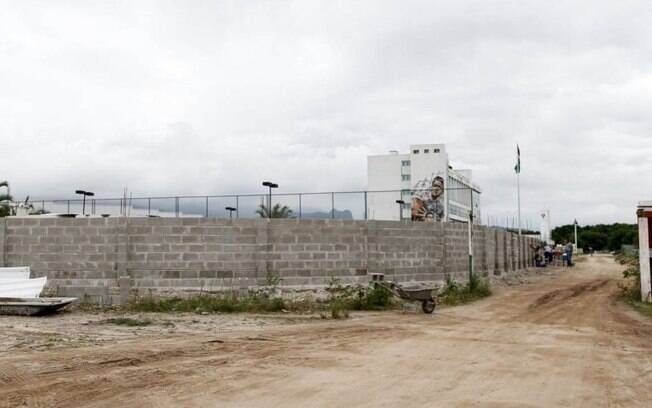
(68, 207)
(149, 206)
(333, 205)
(176, 206)
(299, 205)
(365, 205)
(206, 206)
(237, 207)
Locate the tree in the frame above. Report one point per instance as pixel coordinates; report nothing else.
(599, 237)
(277, 211)
(594, 239)
(5, 210)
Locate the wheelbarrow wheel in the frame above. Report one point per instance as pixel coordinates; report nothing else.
(428, 306)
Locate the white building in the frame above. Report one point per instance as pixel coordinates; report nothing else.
(425, 181)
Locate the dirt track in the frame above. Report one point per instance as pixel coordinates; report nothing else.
(561, 341)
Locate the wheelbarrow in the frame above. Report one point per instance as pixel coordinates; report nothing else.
(413, 294)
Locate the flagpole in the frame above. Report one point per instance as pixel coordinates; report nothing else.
(518, 185)
(518, 193)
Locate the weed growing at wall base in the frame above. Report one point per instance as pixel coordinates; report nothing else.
(223, 303)
(456, 294)
(343, 299)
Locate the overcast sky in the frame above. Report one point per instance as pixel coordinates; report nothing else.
(213, 97)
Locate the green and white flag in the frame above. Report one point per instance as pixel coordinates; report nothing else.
(517, 168)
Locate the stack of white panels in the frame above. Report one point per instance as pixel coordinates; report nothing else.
(15, 283)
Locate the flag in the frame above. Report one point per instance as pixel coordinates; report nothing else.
(517, 168)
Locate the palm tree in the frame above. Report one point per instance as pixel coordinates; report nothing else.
(5, 210)
(277, 211)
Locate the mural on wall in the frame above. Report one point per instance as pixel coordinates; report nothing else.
(428, 200)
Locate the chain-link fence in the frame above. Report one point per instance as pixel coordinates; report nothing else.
(354, 205)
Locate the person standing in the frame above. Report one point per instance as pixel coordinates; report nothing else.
(547, 251)
(569, 254)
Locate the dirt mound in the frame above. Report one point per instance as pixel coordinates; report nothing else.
(561, 295)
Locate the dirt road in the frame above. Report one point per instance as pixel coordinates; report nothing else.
(561, 341)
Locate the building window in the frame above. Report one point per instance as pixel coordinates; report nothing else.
(405, 177)
(435, 151)
(415, 151)
(426, 150)
(405, 163)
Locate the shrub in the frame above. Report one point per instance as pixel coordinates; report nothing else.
(456, 294)
(630, 290)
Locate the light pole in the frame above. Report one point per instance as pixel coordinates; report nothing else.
(400, 203)
(471, 266)
(84, 193)
(471, 220)
(269, 205)
(230, 210)
(575, 225)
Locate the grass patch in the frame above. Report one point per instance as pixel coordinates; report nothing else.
(126, 321)
(643, 308)
(456, 294)
(223, 303)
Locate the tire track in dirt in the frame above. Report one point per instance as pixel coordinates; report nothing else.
(562, 295)
(80, 376)
(562, 341)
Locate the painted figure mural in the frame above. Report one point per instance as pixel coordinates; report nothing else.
(428, 200)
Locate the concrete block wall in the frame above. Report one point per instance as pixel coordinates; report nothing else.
(79, 257)
(406, 251)
(501, 253)
(98, 259)
(310, 252)
(192, 254)
(457, 250)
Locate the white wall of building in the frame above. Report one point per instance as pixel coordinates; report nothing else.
(422, 163)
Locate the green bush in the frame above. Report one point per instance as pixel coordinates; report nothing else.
(338, 309)
(343, 299)
(630, 290)
(377, 298)
(456, 294)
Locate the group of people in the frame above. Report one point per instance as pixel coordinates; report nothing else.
(545, 254)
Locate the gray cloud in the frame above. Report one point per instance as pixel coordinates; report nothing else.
(207, 98)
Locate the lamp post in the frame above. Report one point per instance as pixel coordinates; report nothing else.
(400, 203)
(269, 205)
(575, 225)
(84, 194)
(230, 210)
